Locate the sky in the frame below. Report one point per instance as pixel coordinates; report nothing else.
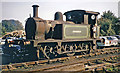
(21, 9)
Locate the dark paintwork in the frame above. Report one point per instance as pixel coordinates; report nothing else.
(39, 29)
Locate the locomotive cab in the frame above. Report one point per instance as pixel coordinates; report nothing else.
(76, 16)
(81, 16)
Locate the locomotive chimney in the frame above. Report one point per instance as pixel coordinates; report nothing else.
(35, 10)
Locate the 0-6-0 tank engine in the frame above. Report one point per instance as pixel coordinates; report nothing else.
(55, 37)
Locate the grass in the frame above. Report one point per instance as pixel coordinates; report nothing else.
(113, 69)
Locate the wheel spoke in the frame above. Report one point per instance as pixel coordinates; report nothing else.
(48, 52)
(71, 49)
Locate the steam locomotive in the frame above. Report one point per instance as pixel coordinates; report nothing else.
(56, 37)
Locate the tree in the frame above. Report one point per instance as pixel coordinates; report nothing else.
(106, 27)
(11, 25)
(109, 24)
(2, 30)
(117, 28)
(111, 16)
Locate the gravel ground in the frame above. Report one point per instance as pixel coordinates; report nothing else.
(35, 67)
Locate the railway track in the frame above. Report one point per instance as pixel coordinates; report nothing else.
(82, 63)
